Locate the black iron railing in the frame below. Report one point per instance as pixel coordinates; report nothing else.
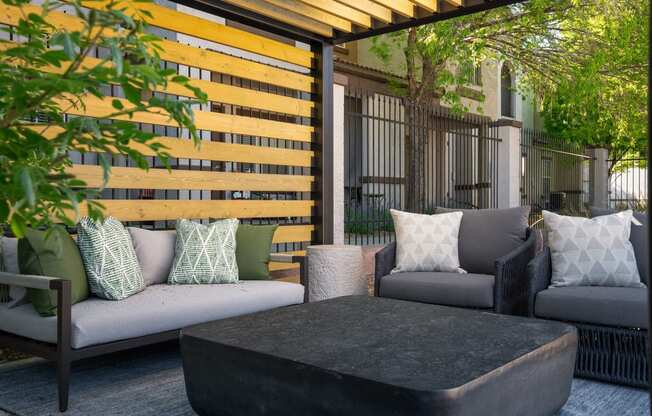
(412, 158)
(554, 175)
(628, 184)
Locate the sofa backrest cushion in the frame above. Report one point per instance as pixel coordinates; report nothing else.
(253, 245)
(488, 234)
(155, 252)
(52, 254)
(638, 238)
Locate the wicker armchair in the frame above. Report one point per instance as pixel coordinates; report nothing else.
(612, 346)
(505, 292)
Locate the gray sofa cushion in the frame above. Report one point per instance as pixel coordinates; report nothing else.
(158, 308)
(611, 306)
(155, 252)
(488, 234)
(453, 289)
(638, 238)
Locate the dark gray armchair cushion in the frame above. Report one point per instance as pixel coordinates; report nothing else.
(487, 234)
(612, 306)
(638, 238)
(453, 289)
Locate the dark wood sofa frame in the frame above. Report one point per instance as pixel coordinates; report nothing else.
(605, 353)
(62, 354)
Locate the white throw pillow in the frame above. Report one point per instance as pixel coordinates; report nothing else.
(427, 243)
(591, 252)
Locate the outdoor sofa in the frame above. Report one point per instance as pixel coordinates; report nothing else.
(495, 247)
(96, 326)
(612, 322)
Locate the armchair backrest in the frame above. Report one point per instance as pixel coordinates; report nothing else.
(488, 234)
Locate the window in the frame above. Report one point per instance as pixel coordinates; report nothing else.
(477, 75)
(506, 92)
(546, 180)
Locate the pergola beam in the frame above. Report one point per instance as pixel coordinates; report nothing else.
(431, 18)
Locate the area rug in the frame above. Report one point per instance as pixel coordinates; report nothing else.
(149, 382)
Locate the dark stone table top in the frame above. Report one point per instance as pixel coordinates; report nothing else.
(413, 345)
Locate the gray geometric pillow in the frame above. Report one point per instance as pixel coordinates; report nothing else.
(591, 252)
(427, 243)
(205, 254)
(109, 259)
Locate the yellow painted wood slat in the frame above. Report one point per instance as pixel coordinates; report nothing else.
(216, 92)
(430, 5)
(402, 7)
(456, 3)
(135, 178)
(212, 31)
(293, 233)
(315, 14)
(231, 65)
(341, 10)
(269, 10)
(379, 12)
(184, 54)
(170, 210)
(203, 120)
(216, 151)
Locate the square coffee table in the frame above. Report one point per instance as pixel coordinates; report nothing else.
(361, 355)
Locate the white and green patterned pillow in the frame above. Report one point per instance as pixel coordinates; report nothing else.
(109, 259)
(205, 253)
(591, 252)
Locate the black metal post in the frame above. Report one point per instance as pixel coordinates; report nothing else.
(325, 209)
(649, 192)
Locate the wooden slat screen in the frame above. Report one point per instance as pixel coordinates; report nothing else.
(256, 161)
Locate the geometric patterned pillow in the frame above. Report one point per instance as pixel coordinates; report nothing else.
(427, 243)
(591, 252)
(205, 254)
(109, 258)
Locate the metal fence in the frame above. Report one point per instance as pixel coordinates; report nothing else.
(554, 175)
(412, 158)
(628, 184)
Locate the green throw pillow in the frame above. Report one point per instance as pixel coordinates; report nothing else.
(109, 258)
(204, 253)
(55, 255)
(254, 243)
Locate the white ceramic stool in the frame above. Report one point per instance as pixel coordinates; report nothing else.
(335, 270)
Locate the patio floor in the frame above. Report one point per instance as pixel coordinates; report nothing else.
(149, 381)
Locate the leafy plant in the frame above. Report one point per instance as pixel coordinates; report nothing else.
(47, 70)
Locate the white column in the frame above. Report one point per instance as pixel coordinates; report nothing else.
(338, 164)
(599, 177)
(509, 163)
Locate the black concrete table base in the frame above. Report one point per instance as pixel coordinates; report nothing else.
(371, 356)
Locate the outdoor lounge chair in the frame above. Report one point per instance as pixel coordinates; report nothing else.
(612, 322)
(496, 278)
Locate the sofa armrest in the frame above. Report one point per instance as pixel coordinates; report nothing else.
(539, 272)
(303, 268)
(384, 263)
(27, 280)
(511, 283)
(64, 303)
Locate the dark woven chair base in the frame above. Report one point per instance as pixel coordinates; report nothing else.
(614, 355)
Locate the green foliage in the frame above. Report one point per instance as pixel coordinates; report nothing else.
(546, 42)
(603, 103)
(45, 73)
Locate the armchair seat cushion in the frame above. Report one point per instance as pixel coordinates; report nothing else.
(611, 306)
(159, 308)
(452, 289)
